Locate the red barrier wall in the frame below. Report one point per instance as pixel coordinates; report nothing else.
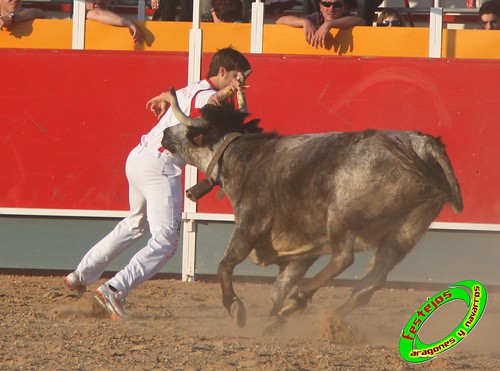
(69, 118)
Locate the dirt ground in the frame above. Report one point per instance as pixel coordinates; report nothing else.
(183, 326)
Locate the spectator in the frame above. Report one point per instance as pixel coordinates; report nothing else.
(390, 18)
(489, 15)
(332, 14)
(12, 12)
(97, 10)
(366, 10)
(166, 10)
(229, 11)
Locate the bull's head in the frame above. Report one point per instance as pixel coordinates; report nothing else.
(215, 122)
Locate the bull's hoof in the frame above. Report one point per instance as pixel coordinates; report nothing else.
(275, 327)
(238, 312)
(296, 304)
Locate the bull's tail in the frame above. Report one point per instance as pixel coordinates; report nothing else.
(438, 152)
(432, 164)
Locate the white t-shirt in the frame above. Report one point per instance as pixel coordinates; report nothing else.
(191, 99)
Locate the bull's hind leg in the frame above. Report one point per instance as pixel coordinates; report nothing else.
(385, 259)
(342, 257)
(392, 249)
(290, 274)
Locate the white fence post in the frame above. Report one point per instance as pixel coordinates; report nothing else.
(78, 36)
(435, 31)
(257, 27)
(141, 10)
(190, 172)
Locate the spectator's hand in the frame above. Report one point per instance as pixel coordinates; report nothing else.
(155, 4)
(5, 22)
(319, 37)
(158, 105)
(136, 33)
(309, 31)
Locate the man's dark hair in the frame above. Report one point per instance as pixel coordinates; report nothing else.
(230, 59)
(490, 7)
(228, 10)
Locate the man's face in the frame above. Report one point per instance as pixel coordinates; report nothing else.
(490, 22)
(227, 77)
(10, 6)
(332, 9)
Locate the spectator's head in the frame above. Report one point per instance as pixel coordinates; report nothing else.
(229, 11)
(97, 4)
(489, 15)
(10, 6)
(230, 59)
(390, 18)
(332, 9)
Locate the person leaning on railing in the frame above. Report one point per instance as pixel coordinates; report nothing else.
(489, 15)
(332, 14)
(97, 10)
(12, 12)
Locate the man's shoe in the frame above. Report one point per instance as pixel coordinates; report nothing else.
(110, 300)
(73, 283)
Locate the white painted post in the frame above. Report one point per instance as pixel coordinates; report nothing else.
(78, 37)
(191, 173)
(435, 32)
(257, 27)
(141, 10)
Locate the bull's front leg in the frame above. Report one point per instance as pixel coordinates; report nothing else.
(238, 250)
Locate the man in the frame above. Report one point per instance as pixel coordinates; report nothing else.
(12, 12)
(154, 177)
(97, 10)
(332, 14)
(489, 15)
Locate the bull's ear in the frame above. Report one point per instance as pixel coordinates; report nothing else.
(198, 139)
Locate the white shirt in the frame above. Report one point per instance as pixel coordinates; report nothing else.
(191, 99)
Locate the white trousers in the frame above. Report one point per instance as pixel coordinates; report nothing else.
(155, 199)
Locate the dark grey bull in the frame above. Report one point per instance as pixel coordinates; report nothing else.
(298, 197)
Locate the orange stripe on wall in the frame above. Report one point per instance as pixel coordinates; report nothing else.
(278, 39)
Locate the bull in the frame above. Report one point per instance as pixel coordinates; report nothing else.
(299, 197)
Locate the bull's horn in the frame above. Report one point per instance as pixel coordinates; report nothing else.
(181, 116)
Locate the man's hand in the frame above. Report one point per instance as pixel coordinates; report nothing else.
(5, 21)
(159, 104)
(309, 31)
(318, 40)
(136, 33)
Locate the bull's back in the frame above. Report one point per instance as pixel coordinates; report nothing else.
(297, 184)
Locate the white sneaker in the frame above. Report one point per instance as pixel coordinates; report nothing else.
(73, 283)
(110, 300)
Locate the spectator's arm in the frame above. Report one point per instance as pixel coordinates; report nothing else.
(343, 23)
(113, 19)
(340, 23)
(294, 21)
(23, 15)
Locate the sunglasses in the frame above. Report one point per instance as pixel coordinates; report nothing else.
(389, 23)
(335, 4)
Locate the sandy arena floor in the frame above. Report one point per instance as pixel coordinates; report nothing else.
(183, 326)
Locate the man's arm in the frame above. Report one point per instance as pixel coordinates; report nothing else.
(23, 15)
(113, 19)
(340, 23)
(294, 21)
